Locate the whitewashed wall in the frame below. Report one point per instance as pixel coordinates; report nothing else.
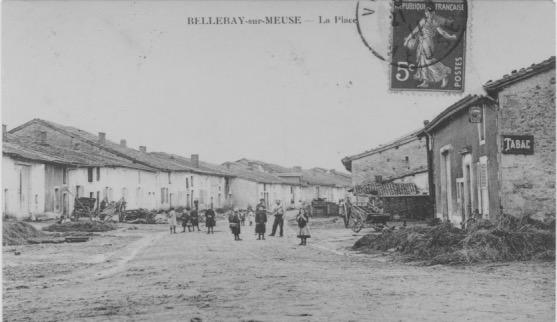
(34, 196)
(138, 187)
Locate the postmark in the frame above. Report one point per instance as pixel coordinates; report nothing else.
(426, 42)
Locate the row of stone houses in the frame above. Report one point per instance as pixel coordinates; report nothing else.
(290, 185)
(492, 153)
(46, 166)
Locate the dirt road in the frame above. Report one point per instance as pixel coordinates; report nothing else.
(148, 274)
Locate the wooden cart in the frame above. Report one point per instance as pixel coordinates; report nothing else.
(358, 217)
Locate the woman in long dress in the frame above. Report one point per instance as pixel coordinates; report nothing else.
(260, 220)
(302, 219)
(422, 39)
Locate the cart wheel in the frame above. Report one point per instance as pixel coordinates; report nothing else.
(357, 225)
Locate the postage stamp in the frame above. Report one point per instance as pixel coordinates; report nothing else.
(428, 45)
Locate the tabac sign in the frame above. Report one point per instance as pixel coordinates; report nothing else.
(517, 144)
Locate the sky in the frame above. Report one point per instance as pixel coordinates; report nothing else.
(296, 95)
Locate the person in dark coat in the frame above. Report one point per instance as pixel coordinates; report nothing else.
(260, 219)
(194, 219)
(210, 220)
(234, 223)
(186, 219)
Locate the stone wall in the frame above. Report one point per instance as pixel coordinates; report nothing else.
(394, 161)
(528, 181)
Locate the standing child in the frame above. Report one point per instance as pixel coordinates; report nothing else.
(302, 218)
(242, 217)
(250, 215)
(234, 223)
(210, 221)
(186, 220)
(172, 220)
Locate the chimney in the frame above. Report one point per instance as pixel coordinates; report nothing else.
(195, 160)
(42, 137)
(143, 148)
(4, 130)
(123, 143)
(426, 122)
(102, 137)
(379, 179)
(76, 146)
(297, 168)
(228, 165)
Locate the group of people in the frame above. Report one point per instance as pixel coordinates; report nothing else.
(302, 218)
(237, 218)
(190, 219)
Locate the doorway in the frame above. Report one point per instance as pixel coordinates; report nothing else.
(460, 198)
(24, 193)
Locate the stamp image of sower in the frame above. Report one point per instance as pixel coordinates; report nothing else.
(428, 45)
(422, 40)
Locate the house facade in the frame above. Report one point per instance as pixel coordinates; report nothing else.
(526, 100)
(113, 171)
(496, 154)
(403, 160)
(462, 152)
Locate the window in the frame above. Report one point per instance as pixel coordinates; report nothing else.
(446, 209)
(64, 176)
(89, 174)
(98, 173)
(191, 180)
(56, 199)
(406, 159)
(164, 195)
(481, 127)
(483, 192)
(139, 177)
(78, 191)
(169, 180)
(187, 182)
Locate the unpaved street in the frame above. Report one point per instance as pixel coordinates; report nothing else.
(148, 274)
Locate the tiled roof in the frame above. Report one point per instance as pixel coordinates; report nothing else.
(16, 150)
(132, 155)
(267, 167)
(387, 189)
(203, 168)
(314, 176)
(410, 137)
(323, 177)
(252, 175)
(25, 146)
(515, 76)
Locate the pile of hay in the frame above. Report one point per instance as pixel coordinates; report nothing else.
(481, 242)
(85, 226)
(19, 233)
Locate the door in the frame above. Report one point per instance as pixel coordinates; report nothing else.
(65, 204)
(460, 198)
(24, 193)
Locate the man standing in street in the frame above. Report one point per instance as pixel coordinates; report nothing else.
(278, 212)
